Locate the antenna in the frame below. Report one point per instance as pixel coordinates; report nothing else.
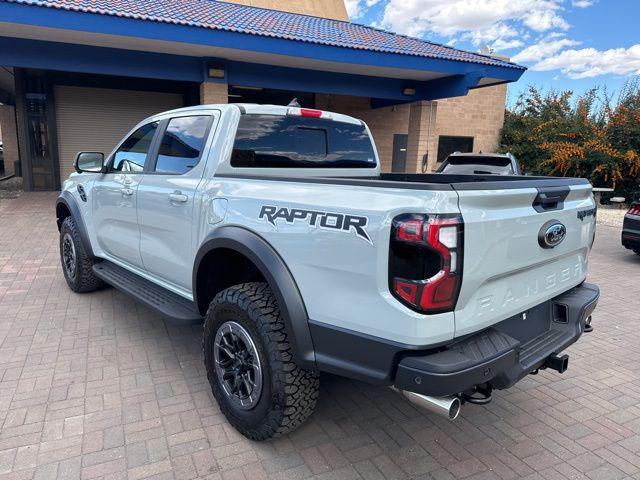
(294, 103)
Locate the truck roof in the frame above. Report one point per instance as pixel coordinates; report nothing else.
(257, 109)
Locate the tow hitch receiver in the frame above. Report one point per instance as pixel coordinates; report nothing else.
(556, 362)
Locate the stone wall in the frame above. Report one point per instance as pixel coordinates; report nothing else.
(214, 92)
(480, 115)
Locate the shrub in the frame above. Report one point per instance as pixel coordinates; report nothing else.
(586, 137)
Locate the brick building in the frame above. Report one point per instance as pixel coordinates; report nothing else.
(77, 75)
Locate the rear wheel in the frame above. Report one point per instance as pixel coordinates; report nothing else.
(77, 265)
(249, 363)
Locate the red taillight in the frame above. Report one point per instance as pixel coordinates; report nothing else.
(309, 112)
(410, 230)
(425, 267)
(634, 210)
(407, 290)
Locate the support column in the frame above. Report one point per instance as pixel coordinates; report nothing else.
(9, 137)
(422, 137)
(214, 92)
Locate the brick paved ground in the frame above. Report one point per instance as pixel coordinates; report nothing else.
(96, 386)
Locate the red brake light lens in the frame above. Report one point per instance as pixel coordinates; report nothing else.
(425, 267)
(309, 112)
(410, 230)
(407, 290)
(634, 210)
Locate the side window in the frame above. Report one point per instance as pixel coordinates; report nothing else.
(182, 144)
(131, 155)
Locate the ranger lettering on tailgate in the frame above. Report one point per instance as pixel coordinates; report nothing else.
(527, 290)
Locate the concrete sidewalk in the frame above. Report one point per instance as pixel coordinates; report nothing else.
(95, 386)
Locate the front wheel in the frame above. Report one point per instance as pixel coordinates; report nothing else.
(250, 367)
(77, 265)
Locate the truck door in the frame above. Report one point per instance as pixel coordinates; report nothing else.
(166, 199)
(115, 198)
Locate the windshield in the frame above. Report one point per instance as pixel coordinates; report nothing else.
(477, 165)
(277, 141)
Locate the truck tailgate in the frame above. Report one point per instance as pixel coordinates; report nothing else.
(507, 269)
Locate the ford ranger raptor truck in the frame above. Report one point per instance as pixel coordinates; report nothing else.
(275, 227)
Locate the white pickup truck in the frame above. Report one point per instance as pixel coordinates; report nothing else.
(275, 226)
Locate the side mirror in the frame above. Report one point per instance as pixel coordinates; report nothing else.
(90, 162)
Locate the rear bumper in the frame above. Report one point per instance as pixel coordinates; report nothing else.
(501, 355)
(631, 232)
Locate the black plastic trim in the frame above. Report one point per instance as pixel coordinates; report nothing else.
(550, 199)
(357, 355)
(494, 356)
(631, 239)
(170, 305)
(349, 181)
(521, 182)
(427, 181)
(448, 367)
(70, 202)
(277, 274)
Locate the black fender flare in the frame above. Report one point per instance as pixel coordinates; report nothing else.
(71, 203)
(279, 278)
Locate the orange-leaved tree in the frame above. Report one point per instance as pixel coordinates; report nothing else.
(553, 134)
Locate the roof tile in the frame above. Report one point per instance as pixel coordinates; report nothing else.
(232, 17)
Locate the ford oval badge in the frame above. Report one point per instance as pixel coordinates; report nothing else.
(552, 234)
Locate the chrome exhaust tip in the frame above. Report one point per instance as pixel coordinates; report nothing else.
(448, 407)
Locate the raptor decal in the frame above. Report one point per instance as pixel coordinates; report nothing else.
(339, 222)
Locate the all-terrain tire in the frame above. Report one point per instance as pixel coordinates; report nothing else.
(80, 278)
(289, 393)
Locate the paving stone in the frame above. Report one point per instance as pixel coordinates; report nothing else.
(96, 386)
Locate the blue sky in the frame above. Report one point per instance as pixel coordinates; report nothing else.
(567, 44)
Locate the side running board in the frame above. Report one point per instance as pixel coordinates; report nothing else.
(168, 304)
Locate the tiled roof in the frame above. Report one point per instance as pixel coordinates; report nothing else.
(231, 17)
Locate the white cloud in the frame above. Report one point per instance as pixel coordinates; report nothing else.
(354, 8)
(545, 20)
(582, 3)
(478, 19)
(542, 50)
(501, 44)
(495, 32)
(589, 62)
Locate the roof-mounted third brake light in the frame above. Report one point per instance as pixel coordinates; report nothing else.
(308, 112)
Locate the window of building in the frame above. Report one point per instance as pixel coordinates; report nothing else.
(449, 144)
(181, 144)
(132, 154)
(276, 141)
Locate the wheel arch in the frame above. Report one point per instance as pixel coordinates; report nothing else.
(67, 206)
(260, 255)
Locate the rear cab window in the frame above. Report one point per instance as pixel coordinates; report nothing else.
(478, 165)
(283, 141)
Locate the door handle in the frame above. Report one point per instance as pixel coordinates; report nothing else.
(126, 192)
(178, 197)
